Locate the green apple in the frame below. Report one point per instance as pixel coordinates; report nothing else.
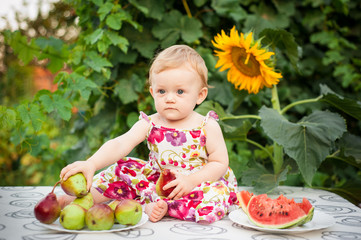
(86, 202)
(75, 185)
(72, 217)
(100, 217)
(128, 212)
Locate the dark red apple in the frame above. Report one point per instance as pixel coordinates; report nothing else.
(48, 209)
(165, 177)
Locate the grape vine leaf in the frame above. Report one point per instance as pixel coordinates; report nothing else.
(26, 50)
(175, 25)
(30, 114)
(95, 61)
(7, 117)
(57, 103)
(283, 40)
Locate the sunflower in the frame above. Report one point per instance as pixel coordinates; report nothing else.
(247, 61)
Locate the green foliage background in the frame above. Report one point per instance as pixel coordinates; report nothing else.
(317, 45)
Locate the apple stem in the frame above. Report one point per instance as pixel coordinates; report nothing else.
(56, 184)
(161, 169)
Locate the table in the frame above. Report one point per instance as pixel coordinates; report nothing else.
(17, 220)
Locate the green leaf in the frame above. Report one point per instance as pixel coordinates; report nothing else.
(55, 51)
(30, 113)
(333, 56)
(144, 43)
(236, 129)
(99, 3)
(104, 10)
(347, 105)
(57, 103)
(132, 118)
(263, 181)
(7, 117)
(309, 141)
(118, 40)
(114, 21)
(141, 7)
(23, 113)
(124, 90)
(350, 151)
(283, 40)
(81, 84)
(96, 62)
(175, 25)
(37, 144)
(347, 73)
(26, 50)
(207, 106)
(94, 37)
(118, 56)
(151, 8)
(221, 93)
(78, 151)
(229, 8)
(324, 38)
(191, 29)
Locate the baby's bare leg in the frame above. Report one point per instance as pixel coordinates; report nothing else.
(67, 199)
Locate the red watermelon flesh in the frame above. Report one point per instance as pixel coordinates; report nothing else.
(305, 205)
(243, 199)
(275, 213)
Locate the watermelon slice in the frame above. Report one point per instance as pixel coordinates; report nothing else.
(307, 207)
(278, 213)
(243, 199)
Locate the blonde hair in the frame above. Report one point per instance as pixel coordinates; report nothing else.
(176, 56)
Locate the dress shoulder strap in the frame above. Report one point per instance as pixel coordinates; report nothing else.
(210, 114)
(144, 116)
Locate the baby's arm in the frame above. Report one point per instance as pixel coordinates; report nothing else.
(108, 153)
(215, 168)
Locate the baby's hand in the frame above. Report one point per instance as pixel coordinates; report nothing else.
(85, 167)
(182, 185)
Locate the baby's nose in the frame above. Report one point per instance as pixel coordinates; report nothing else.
(170, 98)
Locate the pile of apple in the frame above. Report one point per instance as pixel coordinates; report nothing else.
(82, 212)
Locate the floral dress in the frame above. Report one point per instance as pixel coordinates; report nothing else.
(178, 149)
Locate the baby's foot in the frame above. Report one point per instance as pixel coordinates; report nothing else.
(156, 210)
(64, 200)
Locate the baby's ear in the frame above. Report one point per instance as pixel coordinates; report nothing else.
(151, 90)
(202, 95)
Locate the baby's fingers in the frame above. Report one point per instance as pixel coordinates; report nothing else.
(69, 171)
(89, 181)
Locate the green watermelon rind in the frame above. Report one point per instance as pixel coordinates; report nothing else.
(296, 222)
(308, 218)
(290, 224)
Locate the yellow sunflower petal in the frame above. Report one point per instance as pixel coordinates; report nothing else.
(245, 61)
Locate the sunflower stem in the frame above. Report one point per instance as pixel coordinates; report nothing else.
(277, 149)
(291, 105)
(186, 7)
(241, 117)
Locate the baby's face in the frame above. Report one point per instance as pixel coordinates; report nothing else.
(176, 92)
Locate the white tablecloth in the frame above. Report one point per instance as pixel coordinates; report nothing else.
(17, 220)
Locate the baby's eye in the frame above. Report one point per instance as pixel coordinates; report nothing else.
(161, 91)
(180, 91)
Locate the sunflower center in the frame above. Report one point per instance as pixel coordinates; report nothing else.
(245, 63)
